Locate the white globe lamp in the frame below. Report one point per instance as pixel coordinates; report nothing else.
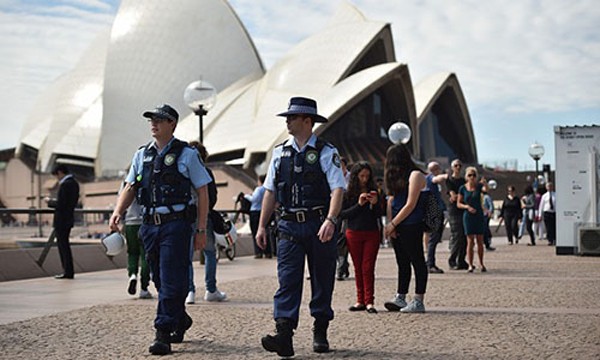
(399, 133)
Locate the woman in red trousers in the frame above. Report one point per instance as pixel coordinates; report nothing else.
(362, 209)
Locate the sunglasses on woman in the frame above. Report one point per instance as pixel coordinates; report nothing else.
(471, 175)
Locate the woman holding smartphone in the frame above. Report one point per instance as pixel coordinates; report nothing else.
(363, 209)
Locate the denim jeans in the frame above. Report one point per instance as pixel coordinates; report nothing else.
(209, 251)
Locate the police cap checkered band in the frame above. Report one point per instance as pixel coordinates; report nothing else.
(304, 106)
(164, 112)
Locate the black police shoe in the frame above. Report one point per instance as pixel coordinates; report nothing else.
(161, 344)
(280, 343)
(184, 325)
(320, 343)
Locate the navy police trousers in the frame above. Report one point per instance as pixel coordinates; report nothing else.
(167, 249)
(295, 242)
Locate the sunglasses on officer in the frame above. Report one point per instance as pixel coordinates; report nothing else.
(158, 120)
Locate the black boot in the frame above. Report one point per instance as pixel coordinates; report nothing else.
(184, 324)
(281, 342)
(161, 344)
(320, 343)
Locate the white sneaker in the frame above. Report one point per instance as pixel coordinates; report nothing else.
(145, 294)
(132, 284)
(415, 306)
(191, 298)
(215, 296)
(396, 303)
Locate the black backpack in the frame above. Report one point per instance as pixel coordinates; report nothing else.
(212, 191)
(245, 204)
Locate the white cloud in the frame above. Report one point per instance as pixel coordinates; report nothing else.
(38, 44)
(520, 56)
(517, 57)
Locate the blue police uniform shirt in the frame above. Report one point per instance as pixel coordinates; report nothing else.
(188, 164)
(256, 198)
(333, 171)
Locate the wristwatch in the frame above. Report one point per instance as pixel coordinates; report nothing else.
(333, 219)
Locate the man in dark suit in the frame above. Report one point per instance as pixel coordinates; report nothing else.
(64, 206)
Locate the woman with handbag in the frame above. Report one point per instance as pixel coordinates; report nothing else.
(406, 209)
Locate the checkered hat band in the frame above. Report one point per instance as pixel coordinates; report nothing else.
(301, 109)
(165, 115)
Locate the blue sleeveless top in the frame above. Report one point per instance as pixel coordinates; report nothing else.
(416, 216)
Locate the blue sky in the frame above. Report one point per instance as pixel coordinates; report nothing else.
(524, 66)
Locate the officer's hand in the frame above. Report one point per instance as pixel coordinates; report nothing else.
(261, 238)
(326, 231)
(199, 241)
(113, 223)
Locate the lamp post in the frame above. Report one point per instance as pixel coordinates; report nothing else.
(536, 151)
(200, 96)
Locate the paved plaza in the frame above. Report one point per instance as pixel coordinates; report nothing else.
(531, 304)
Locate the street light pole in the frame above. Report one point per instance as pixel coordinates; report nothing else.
(201, 112)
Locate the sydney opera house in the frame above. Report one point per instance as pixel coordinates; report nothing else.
(90, 118)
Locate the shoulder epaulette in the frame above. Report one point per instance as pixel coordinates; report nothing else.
(281, 144)
(145, 146)
(320, 144)
(179, 144)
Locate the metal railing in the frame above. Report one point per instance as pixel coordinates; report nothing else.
(52, 236)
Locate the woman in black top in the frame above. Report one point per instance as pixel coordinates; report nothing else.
(363, 208)
(511, 212)
(529, 206)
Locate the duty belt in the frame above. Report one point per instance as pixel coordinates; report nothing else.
(157, 219)
(300, 216)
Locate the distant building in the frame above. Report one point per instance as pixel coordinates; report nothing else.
(90, 118)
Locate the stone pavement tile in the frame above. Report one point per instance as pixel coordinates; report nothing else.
(531, 305)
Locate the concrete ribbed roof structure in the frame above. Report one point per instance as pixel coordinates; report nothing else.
(91, 117)
(445, 128)
(156, 48)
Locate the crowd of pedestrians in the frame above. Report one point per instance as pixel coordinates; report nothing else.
(326, 208)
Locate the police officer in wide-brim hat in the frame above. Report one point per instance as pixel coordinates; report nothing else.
(162, 176)
(305, 179)
(304, 106)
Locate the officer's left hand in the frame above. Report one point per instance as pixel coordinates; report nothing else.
(326, 231)
(200, 241)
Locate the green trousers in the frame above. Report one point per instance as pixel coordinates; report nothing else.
(135, 255)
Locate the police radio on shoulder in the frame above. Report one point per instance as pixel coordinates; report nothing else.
(332, 219)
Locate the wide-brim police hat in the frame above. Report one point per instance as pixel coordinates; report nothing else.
(304, 106)
(162, 111)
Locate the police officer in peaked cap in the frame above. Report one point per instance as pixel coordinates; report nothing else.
(162, 176)
(305, 182)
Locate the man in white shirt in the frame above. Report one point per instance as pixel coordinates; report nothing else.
(548, 210)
